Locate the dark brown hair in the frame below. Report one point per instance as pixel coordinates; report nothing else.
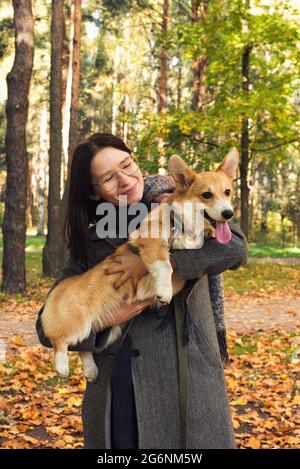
(80, 208)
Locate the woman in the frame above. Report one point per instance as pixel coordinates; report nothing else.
(135, 401)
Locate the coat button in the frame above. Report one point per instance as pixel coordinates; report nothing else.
(135, 352)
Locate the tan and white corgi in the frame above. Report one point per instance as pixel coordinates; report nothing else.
(77, 305)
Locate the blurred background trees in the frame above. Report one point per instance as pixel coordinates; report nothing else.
(189, 77)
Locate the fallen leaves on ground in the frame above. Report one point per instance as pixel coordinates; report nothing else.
(263, 383)
(39, 410)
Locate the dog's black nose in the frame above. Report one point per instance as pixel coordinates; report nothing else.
(227, 214)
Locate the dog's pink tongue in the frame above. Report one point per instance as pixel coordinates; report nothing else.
(223, 233)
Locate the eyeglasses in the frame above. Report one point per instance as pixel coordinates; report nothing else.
(111, 180)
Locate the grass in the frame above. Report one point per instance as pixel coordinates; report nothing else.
(32, 242)
(273, 250)
(254, 249)
(263, 277)
(37, 286)
(251, 278)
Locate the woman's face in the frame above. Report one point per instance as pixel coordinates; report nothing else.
(108, 180)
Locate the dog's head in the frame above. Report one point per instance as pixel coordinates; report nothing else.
(212, 189)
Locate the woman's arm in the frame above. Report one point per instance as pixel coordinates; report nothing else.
(213, 257)
(96, 341)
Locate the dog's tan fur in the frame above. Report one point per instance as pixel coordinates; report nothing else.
(86, 302)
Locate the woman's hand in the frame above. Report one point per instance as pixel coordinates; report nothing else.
(130, 265)
(125, 312)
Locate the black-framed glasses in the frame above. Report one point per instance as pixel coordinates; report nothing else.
(111, 180)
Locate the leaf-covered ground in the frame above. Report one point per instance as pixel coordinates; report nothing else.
(38, 410)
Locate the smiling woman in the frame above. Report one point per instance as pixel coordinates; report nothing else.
(136, 400)
(102, 168)
(126, 179)
(109, 181)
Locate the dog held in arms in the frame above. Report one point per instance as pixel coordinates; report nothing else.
(77, 305)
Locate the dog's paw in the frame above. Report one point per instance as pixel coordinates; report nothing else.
(91, 372)
(61, 364)
(161, 271)
(164, 294)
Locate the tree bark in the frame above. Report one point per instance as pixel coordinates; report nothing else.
(41, 172)
(66, 99)
(162, 97)
(199, 12)
(73, 103)
(162, 86)
(244, 164)
(115, 94)
(179, 85)
(18, 83)
(52, 252)
(73, 133)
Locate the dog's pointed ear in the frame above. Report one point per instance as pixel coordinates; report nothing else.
(182, 174)
(230, 163)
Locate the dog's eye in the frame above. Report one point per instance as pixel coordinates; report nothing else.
(207, 195)
(227, 192)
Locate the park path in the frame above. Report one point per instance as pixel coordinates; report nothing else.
(277, 260)
(243, 314)
(259, 312)
(249, 313)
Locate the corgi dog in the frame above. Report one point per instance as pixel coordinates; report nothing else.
(77, 305)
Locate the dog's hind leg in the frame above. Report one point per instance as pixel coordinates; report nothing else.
(89, 366)
(61, 358)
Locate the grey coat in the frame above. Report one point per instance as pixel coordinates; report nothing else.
(154, 368)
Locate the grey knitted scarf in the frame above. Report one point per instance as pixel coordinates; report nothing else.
(154, 186)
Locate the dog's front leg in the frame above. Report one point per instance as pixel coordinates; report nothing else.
(155, 255)
(89, 366)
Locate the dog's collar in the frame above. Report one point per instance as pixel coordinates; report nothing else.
(173, 232)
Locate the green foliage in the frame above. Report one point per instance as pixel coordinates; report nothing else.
(200, 137)
(222, 37)
(6, 36)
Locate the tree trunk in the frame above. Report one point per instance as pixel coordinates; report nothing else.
(66, 93)
(162, 86)
(244, 165)
(72, 111)
(115, 94)
(296, 221)
(162, 97)
(18, 83)
(179, 85)
(199, 12)
(70, 123)
(52, 252)
(29, 204)
(42, 172)
(125, 124)
(73, 133)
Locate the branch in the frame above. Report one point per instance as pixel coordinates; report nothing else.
(200, 140)
(276, 146)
